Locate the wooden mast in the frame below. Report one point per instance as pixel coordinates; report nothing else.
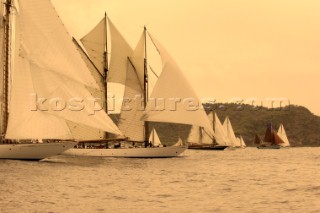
(105, 70)
(145, 84)
(6, 69)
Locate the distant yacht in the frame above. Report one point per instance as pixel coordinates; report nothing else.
(200, 139)
(271, 139)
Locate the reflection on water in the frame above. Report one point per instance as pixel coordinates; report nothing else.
(249, 180)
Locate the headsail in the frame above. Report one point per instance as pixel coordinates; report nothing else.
(154, 138)
(282, 134)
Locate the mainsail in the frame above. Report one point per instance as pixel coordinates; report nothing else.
(282, 134)
(48, 66)
(174, 89)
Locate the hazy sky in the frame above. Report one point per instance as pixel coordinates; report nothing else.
(227, 48)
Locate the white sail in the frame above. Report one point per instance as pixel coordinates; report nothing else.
(95, 44)
(130, 124)
(194, 135)
(47, 65)
(176, 92)
(179, 142)
(154, 138)
(282, 134)
(230, 133)
(137, 59)
(242, 143)
(80, 131)
(220, 134)
(48, 44)
(206, 139)
(120, 51)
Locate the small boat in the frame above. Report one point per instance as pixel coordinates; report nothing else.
(199, 139)
(271, 139)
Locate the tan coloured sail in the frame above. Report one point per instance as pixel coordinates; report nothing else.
(230, 133)
(172, 85)
(220, 135)
(48, 63)
(132, 109)
(95, 44)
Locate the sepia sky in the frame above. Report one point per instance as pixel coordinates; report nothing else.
(227, 49)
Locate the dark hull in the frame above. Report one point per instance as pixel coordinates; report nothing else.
(269, 147)
(200, 147)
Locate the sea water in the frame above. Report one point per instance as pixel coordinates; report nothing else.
(244, 180)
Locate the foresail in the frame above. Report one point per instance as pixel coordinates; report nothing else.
(282, 134)
(129, 123)
(173, 89)
(154, 138)
(95, 44)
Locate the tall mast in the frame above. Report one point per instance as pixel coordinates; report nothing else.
(106, 69)
(145, 84)
(6, 69)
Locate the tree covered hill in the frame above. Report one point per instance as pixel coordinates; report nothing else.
(302, 127)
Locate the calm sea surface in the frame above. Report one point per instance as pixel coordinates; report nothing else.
(249, 180)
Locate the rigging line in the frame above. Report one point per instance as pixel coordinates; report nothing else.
(152, 70)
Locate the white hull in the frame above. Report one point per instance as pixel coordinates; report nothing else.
(149, 152)
(33, 151)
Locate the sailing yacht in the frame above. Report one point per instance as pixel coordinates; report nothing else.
(271, 139)
(130, 68)
(43, 74)
(241, 142)
(200, 139)
(282, 134)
